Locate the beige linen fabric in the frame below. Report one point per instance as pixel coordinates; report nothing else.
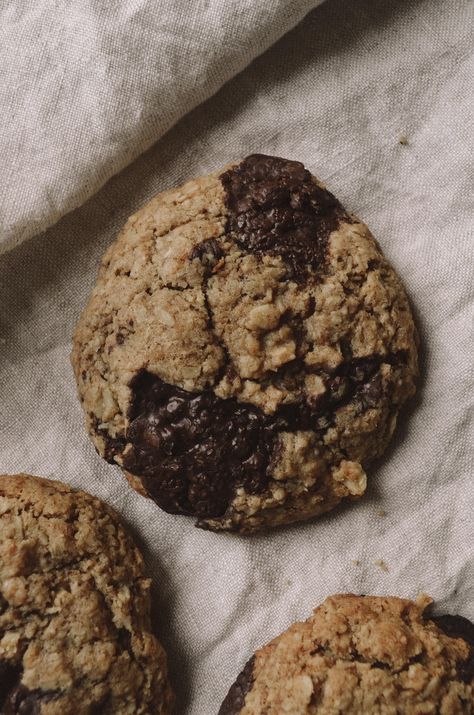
(86, 86)
(340, 92)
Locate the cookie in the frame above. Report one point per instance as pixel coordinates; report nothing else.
(246, 349)
(358, 655)
(75, 635)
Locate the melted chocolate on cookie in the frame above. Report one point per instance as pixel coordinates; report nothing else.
(9, 677)
(235, 698)
(15, 699)
(24, 702)
(276, 208)
(192, 450)
(208, 252)
(459, 627)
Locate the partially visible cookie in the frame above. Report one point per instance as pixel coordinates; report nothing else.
(362, 655)
(246, 350)
(75, 634)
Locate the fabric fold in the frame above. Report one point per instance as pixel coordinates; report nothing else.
(86, 88)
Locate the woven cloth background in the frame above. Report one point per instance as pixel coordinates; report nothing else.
(87, 86)
(339, 92)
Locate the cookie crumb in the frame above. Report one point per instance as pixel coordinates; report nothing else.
(381, 564)
(381, 512)
(355, 562)
(423, 600)
(403, 140)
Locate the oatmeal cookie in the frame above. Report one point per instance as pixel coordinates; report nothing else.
(246, 349)
(358, 656)
(75, 635)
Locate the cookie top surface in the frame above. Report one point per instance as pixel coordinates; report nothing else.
(359, 655)
(246, 349)
(75, 634)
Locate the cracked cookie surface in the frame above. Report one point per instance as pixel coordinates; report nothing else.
(246, 349)
(75, 634)
(358, 655)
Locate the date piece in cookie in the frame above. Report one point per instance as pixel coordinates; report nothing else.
(75, 634)
(246, 349)
(362, 656)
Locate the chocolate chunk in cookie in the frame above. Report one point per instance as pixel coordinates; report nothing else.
(275, 208)
(235, 699)
(459, 627)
